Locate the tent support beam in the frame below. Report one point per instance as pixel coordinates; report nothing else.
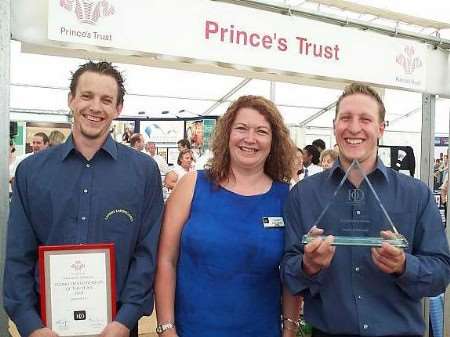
(319, 113)
(5, 41)
(226, 96)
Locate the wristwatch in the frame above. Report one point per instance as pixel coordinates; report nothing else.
(161, 328)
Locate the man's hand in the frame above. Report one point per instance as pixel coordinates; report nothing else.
(318, 253)
(115, 329)
(43, 332)
(389, 259)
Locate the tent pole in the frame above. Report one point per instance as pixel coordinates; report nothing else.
(426, 167)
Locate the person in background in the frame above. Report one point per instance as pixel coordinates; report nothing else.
(327, 158)
(11, 163)
(311, 160)
(39, 142)
(137, 142)
(184, 165)
(363, 291)
(222, 235)
(183, 144)
(55, 137)
(90, 189)
(319, 144)
(150, 149)
(298, 169)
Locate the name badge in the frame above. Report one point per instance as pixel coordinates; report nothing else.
(273, 222)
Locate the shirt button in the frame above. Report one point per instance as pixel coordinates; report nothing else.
(365, 327)
(357, 269)
(358, 212)
(85, 190)
(83, 218)
(359, 297)
(88, 165)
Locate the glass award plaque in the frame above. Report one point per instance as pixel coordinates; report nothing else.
(364, 216)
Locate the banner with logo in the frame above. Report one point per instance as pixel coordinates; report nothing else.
(218, 32)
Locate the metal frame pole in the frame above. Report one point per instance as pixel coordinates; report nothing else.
(447, 292)
(426, 166)
(5, 40)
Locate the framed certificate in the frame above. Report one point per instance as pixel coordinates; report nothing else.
(77, 288)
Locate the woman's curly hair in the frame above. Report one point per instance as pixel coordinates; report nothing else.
(278, 164)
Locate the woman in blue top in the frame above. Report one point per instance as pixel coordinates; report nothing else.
(222, 236)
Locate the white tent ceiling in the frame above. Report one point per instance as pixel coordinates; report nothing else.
(39, 83)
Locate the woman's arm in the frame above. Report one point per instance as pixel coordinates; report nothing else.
(175, 215)
(291, 313)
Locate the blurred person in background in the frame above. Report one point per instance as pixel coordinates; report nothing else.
(56, 137)
(327, 158)
(184, 165)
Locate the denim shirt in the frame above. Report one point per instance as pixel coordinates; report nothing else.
(352, 296)
(60, 198)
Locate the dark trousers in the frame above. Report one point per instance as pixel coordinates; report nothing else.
(134, 332)
(318, 333)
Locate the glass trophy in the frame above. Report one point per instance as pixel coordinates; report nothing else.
(364, 216)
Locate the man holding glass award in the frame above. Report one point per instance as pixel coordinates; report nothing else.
(364, 244)
(84, 224)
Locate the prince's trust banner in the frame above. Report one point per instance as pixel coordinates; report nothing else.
(218, 32)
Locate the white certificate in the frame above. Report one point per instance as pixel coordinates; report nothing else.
(77, 295)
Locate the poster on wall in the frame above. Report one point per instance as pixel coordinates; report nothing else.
(199, 133)
(168, 132)
(194, 133)
(121, 131)
(61, 130)
(208, 130)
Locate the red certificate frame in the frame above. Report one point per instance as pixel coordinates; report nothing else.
(78, 284)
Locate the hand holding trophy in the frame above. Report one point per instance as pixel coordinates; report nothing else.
(355, 232)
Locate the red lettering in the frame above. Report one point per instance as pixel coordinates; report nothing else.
(211, 27)
(267, 41)
(254, 43)
(282, 44)
(301, 40)
(336, 50)
(328, 53)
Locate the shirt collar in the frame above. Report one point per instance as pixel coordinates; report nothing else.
(109, 147)
(337, 168)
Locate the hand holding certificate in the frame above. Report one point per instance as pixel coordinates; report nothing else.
(77, 288)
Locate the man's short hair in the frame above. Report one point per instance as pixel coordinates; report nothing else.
(314, 152)
(102, 68)
(359, 88)
(319, 143)
(135, 137)
(184, 143)
(43, 135)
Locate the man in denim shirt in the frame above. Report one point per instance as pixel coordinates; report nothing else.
(363, 291)
(88, 190)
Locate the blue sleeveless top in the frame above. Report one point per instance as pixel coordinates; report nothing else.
(228, 280)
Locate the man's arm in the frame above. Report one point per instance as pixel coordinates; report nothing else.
(137, 296)
(427, 267)
(293, 273)
(20, 297)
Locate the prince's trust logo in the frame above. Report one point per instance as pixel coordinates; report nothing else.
(408, 60)
(119, 211)
(88, 11)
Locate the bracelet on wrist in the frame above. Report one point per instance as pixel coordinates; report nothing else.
(161, 328)
(295, 323)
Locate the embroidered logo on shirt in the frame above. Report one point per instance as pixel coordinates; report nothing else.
(119, 211)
